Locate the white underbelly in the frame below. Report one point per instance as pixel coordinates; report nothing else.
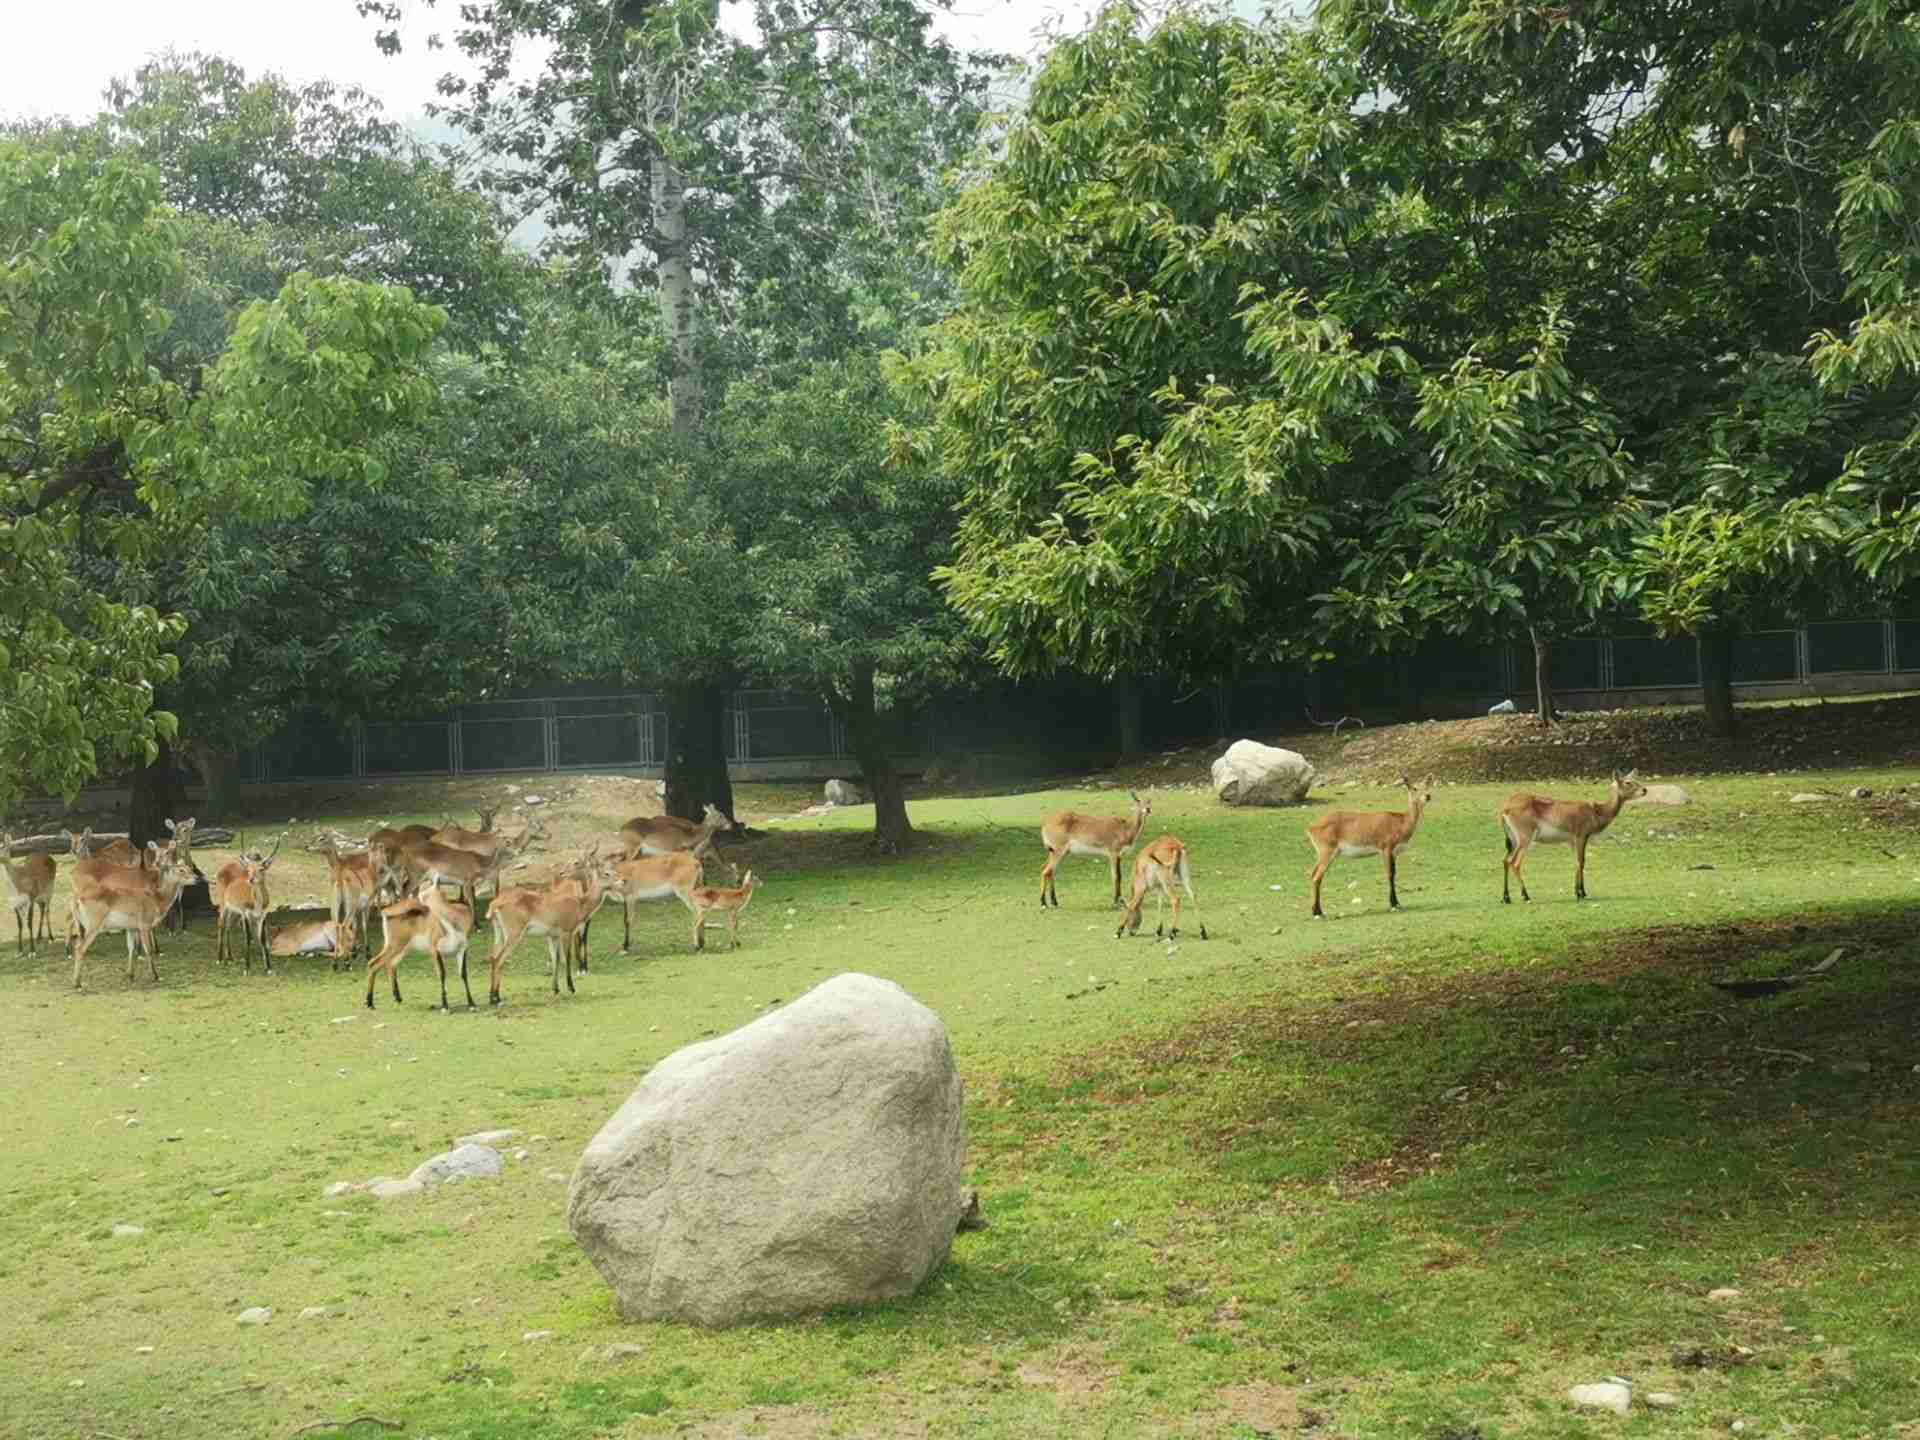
(1350, 850)
(1081, 847)
(321, 943)
(1544, 833)
(654, 892)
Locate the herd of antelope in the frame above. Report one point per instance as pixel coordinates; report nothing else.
(398, 875)
(1525, 820)
(395, 876)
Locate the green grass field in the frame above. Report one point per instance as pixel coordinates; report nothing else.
(1406, 1173)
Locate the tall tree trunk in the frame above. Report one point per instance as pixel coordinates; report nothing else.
(156, 795)
(220, 769)
(892, 830)
(1543, 676)
(1714, 645)
(685, 393)
(1128, 705)
(697, 751)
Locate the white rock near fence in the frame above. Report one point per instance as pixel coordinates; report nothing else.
(809, 1160)
(1254, 774)
(845, 792)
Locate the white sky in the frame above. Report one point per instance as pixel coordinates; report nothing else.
(56, 58)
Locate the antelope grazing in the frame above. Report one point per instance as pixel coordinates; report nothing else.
(666, 834)
(428, 922)
(664, 877)
(1070, 833)
(30, 886)
(128, 898)
(557, 911)
(240, 896)
(333, 938)
(1526, 819)
(704, 900)
(1157, 868)
(1372, 832)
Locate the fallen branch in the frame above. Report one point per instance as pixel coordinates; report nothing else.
(346, 1424)
(57, 844)
(1791, 1054)
(236, 1389)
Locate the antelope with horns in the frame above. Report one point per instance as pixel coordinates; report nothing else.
(29, 887)
(558, 911)
(480, 841)
(353, 875)
(1157, 868)
(129, 898)
(1528, 819)
(465, 868)
(240, 896)
(1373, 832)
(430, 923)
(666, 834)
(1108, 836)
(705, 900)
(664, 877)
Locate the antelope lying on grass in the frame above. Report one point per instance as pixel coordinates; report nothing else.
(240, 896)
(429, 923)
(667, 834)
(1157, 868)
(1070, 833)
(128, 898)
(1526, 819)
(705, 900)
(335, 939)
(30, 888)
(558, 911)
(1373, 832)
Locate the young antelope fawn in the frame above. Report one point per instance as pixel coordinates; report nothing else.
(1157, 868)
(1372, 832)
(704, 900)
(428, 922)
(1529, 819)
(30, 888)
(1110, 837)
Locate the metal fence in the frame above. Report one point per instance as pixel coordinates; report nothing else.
(1067, 716)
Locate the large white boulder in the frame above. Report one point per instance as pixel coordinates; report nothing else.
(809, 1160)
(1254, 774)
(845, 792)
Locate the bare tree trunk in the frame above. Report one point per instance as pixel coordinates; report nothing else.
(892, 829)
(1127, 715)
(156, 796)
(685, 393)
(1714, 645)
(1543, 676)
(697, 751)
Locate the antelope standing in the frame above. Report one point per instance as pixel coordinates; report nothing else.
(128, 898)
(240, 896)
(430, 923)
(30, 886)
(1372, 832)
(1526, 819)
(664, 877)
(1157, 868)
(388, 848)
(480, 841)
(557, 911)
(354, 877)
(665, 834)
(464, 868)
(333, 938)
(704, 900)
(1070, 833)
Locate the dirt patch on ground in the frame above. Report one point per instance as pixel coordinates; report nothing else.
(1074, 1373)
(1587, 744)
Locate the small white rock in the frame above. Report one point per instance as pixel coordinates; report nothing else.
(343, 1019)
(533, 1337)
(520, 1154)
(143, 1349)
(314, 1312)
(256, 1315)
(487, 1137)
(1725, 1292)
(1609, 1395)
(1738, 1426)
(337, 1189)
(128, 1232)
(395, 1189)
(624, 1351)
(1662, 1399)
(132, 1121)
(556, 1175)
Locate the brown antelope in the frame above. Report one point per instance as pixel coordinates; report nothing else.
(353, 877)
(430, 923)
(1526, 819)
(704, 900)
(664, 877)
(557, 911)
(1108, 836)
(1157, 868)
(464, 868)
(1372, 832)
(128, 898)
(388, 848)
(240, 897)
(30, 886)
(665, 834)
(333, 938)
(480, 841)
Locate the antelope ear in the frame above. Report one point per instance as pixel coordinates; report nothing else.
(1633, 774)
